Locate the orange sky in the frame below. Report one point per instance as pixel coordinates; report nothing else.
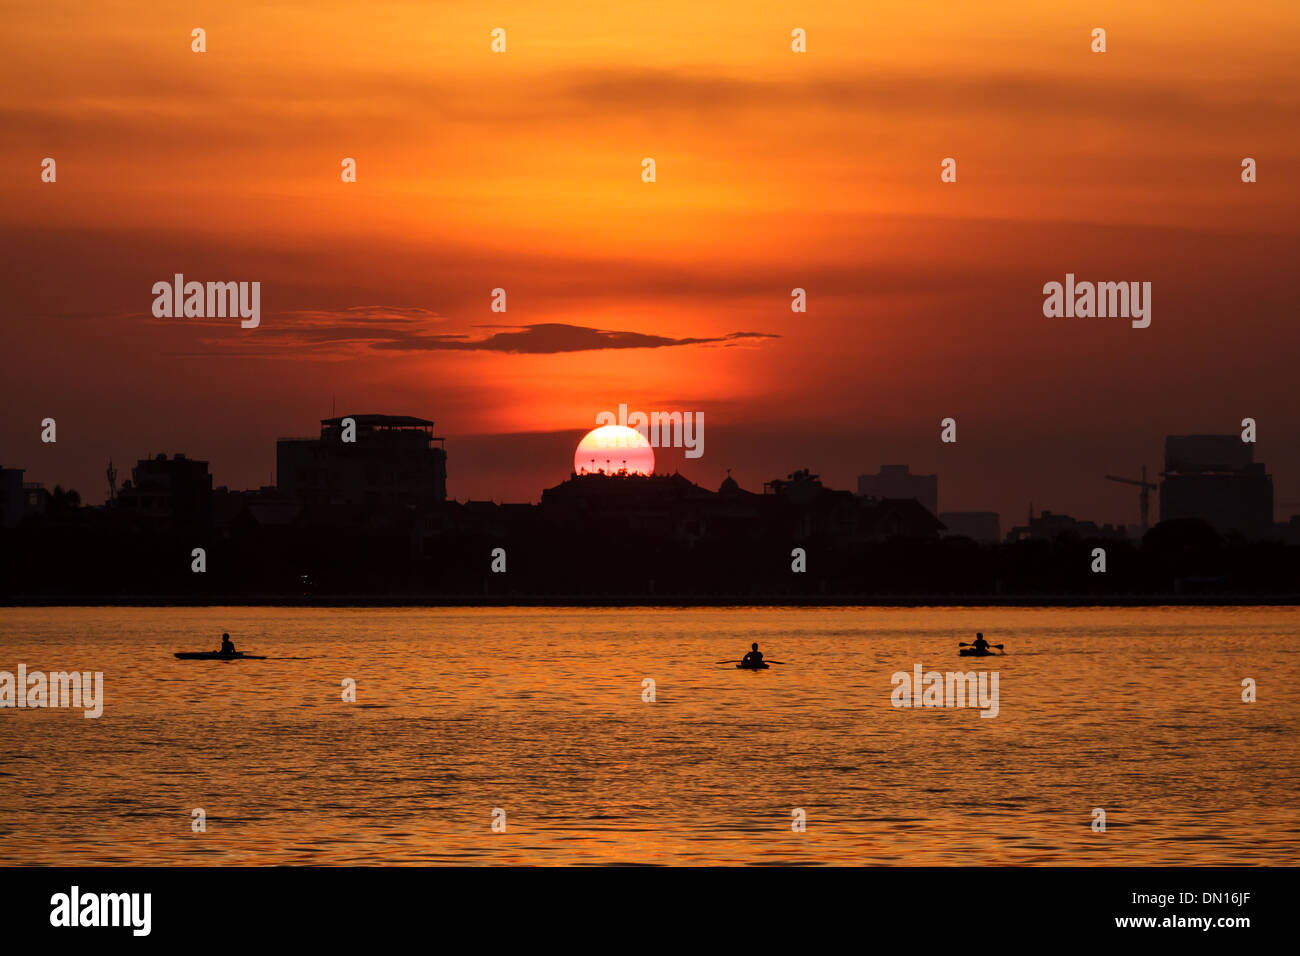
(522, 170)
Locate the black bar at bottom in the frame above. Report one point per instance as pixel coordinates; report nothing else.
(648, 907)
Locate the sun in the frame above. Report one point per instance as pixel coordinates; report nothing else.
(611, 449)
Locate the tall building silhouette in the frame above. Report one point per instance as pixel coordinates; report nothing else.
(1216, 478)
(167, 493)
(394, 460)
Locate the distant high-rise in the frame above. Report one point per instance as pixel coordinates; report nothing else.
(1216, 478)
(395, 460)
(897, 481)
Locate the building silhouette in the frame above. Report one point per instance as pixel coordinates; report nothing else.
(982, 526)
(667, 506)
(167, 494)
(395, 460)
(671, 507)
(18, 498)
(1215, 478)
(810, 509)
(1047, 526)
(369, 520)
(897, 481)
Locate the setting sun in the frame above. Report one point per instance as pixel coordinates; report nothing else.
(614, 448)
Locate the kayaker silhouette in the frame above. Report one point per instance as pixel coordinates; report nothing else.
(979, 643)
(753, 658)
(226, 646)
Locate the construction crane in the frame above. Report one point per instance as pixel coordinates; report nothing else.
(1144, 499)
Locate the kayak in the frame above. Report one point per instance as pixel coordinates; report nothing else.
(974, 652)
(218, 656)
(751, 667)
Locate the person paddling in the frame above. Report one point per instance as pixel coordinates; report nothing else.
(754, 658)
(981, 646)
(226, 646)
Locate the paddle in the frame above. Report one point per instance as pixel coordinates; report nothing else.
(964, 644)
(765, 661)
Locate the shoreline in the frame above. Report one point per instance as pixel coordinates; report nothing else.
(658, 601)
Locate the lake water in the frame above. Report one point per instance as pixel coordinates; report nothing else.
(539, 712)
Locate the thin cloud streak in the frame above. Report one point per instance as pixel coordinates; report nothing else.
(382, 328)
(549, 338)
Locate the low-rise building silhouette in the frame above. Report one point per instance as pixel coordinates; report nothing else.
(19, 499)
(796, 508)
(982, 526)
(816, 510)
(1047, 526)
